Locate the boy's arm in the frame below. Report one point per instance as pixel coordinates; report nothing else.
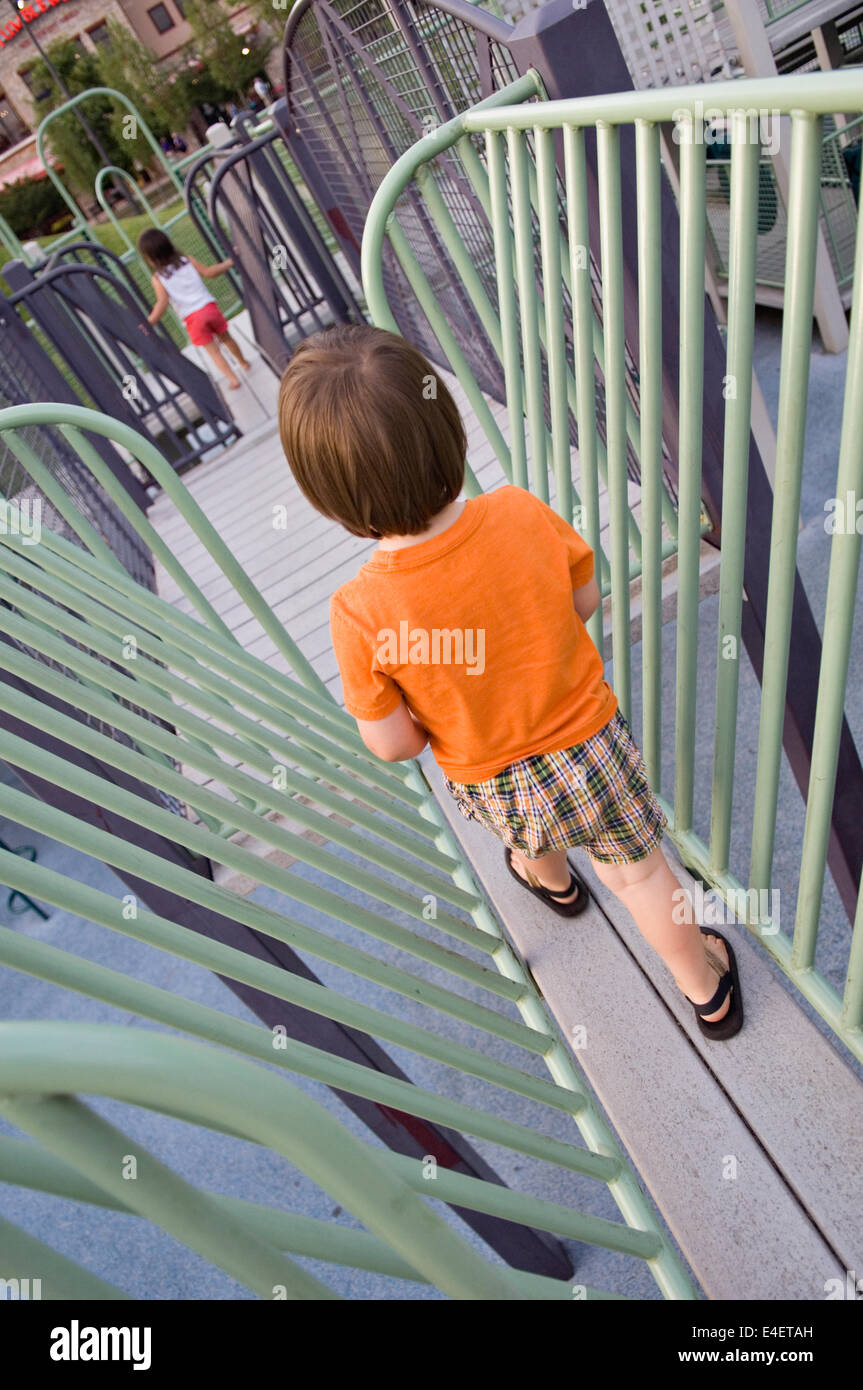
(162, 301)
(208, 271)
(396, 737)
(586, 599)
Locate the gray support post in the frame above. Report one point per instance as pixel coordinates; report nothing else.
(577, 55)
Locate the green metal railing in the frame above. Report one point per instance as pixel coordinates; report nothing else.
(240, 742)
(515, 184)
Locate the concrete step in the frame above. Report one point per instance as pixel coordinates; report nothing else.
(750, 1148)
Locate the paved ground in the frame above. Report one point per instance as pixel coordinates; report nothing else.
(148, 1264)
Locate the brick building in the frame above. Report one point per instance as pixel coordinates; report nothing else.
(160, 25)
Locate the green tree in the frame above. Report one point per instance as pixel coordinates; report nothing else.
(79, 70)
(159, 92)
(272, 13)
(229, 71)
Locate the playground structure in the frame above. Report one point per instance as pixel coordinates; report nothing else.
(150, 737)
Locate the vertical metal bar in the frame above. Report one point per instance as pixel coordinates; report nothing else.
(836, 645)
(503, 257)
(692, 238)
(648, 172)
(802, 212)
(549, 238)
(527, 296)
(611, 245)
(746, 154)
(852, 998)
(575, 170)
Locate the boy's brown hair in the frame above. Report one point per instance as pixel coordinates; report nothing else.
(372, 435)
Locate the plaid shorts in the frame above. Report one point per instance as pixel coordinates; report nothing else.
(594, 795)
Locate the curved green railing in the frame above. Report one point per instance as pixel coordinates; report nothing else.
(229, 303)
(77, 101)
(285, 796)
(536, 248)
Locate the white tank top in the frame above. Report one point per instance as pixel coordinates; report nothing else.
(185, 288)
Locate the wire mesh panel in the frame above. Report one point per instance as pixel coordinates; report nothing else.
(363, 82)
(45, 484)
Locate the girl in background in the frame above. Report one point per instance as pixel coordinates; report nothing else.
(178, 280)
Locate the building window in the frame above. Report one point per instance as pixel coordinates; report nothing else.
(180, 8)
(161, 18)
(27, 76)
(99, 33)
(12, 128)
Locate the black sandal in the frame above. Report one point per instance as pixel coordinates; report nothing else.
(553, 900)
(729, 982)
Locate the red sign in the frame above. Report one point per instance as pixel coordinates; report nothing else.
(30, 12)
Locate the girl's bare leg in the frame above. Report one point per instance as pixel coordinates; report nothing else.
(651, 894)
(218, 357)
(234, 349)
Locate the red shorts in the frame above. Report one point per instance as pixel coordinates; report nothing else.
(205, 323)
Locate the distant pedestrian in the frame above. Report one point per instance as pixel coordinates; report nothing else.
(178, 280)
(262, 88)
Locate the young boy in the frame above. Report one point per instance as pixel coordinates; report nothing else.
(466, 630)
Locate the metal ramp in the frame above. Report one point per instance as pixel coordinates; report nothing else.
(107, 693)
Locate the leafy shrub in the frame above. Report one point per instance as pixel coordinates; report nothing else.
(31, 207)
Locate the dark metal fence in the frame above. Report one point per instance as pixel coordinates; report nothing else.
(86, 304)
(363, 83)
(287, 277)
(26, 372)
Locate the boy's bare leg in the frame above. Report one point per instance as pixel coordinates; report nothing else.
(218, 357)
(549, 871)
(234, 349)
(651, 893)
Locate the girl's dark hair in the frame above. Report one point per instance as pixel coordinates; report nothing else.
(159, 250)
(371, 433)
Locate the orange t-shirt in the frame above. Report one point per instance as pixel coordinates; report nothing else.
(476, 629)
